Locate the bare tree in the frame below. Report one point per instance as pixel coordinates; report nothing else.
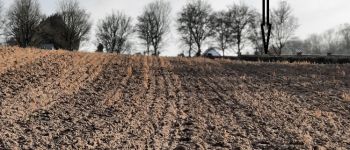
(295, 45)
(144, 32)
(154, 24)
(335, 40)
(2, 20)
(313, 44)
(114, 31)
(254, 35)
(222, 28)
(23, 17)
(188, 41)
(239, 17)
(194, 22)
(77, 22)
(344, 33)
(330, 41)
(284, 25)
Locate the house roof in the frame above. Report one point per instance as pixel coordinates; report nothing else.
(212, 51)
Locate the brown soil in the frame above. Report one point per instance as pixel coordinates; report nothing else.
(66, 100)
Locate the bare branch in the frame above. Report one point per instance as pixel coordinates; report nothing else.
(194, 23)
(154, 24)
(77, 22)
(114, 31)
(284, 25)
(254, 33)
(239, 18)
(23, 17)
(223, 30)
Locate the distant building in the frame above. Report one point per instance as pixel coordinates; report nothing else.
(212, 52)
(51, 33)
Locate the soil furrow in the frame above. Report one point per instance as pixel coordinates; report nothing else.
(12, 58)
(62, 112)
(73, 100)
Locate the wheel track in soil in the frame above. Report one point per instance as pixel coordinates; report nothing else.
(126, 104)
(175, 106)
(180, 106)
(155, 108)
(134, 108)
(149, 101)
(16, 80)
(12, 58)
(218, 101)
(282, 105)
(192, 125)
(180, 140)
(151, 127)
(134, 111)
(186, 126)
(68, 81)
(205, 121)
(249, 101)
(158, 106)
(170, 111)
(267, 79)
(22, 101)
(244, 111)
(296, 100)
(19, 98)
(216, 87)
(63, 111)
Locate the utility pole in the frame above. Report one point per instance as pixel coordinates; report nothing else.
(266, 25)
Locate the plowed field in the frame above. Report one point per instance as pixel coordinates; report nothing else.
(71, 100)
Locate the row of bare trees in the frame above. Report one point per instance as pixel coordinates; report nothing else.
(1, 17)
(115, 30)
(335, 41)
(231, 29)
(23, 18)
(234, 28)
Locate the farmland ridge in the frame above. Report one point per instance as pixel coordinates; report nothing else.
(74, 100)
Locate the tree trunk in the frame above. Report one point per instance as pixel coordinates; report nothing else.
(279, 53)
(147, 51)
(199, 53)
(155, 50)
(239, 49)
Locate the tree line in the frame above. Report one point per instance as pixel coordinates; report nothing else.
(333, 41)
(232, 29)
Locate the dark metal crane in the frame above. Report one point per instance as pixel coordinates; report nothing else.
(266, 25)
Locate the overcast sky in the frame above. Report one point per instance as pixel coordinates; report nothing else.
(315, 16)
